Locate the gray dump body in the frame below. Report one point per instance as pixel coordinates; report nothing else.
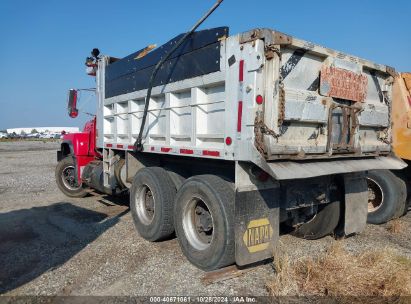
(294, 108)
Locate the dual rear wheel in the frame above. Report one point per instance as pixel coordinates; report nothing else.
(200, 210)
(204, 221)
(387, 195)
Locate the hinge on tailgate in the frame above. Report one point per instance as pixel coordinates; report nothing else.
(270, 50)
(269, 37)
(342, 126)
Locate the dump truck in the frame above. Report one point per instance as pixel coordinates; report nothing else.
(234, 139)
(390, 191)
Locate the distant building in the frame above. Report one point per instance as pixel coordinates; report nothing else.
(43, 130)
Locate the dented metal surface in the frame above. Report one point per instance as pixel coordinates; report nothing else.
(299, 119)
(311, 83)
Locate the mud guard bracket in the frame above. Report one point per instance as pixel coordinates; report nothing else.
(257, 216)
(356, 203)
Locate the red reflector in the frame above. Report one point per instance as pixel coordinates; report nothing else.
(120, 146)
(165, 149)
(409, 100)
(211, 153)
(131, 147)
(109, 145)
(241, 71)
(186, 151)
(240, 115)
(228, 141)
(259, 99)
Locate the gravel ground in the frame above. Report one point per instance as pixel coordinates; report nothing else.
(54, 245)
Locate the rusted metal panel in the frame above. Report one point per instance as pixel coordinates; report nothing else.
(313, 82)
(344, 84)
(269, 36)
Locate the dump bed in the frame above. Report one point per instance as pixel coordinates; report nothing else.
(401, 116)
(259, 96)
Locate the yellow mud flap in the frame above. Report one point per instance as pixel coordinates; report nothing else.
(257, 224)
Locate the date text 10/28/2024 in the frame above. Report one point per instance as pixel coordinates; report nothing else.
(203, 299)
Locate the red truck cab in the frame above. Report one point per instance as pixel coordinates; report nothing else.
(77, 151)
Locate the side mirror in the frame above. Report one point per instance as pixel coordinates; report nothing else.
(72, 103)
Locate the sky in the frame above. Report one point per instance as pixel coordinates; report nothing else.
(44, 43)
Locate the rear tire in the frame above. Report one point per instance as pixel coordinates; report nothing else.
(403, 203)
(66, 180)
(152, 196)
(176, 178)
(322, 224)
(204, 221)
(387, 195)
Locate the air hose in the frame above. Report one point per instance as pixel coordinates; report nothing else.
(138, 145)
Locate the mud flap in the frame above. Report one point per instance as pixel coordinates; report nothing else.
(356, 203)
(257, 218)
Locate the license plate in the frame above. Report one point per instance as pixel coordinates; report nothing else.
(344, 84)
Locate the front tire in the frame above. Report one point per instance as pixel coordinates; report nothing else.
(204, 221)
(66, 179)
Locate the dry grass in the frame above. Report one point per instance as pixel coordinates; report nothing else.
(396, 226)
(340, 273)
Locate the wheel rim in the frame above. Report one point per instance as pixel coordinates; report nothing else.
(198, 224)
(145, 205)
(69, 179)
(375, 195)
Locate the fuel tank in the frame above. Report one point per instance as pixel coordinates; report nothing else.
(93, 177)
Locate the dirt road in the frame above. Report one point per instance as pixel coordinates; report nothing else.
(54, 245)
